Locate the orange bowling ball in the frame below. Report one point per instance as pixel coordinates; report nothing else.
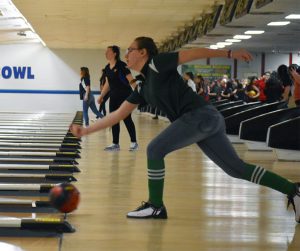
(65, 197)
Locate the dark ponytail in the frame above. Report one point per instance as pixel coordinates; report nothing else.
(283, 75)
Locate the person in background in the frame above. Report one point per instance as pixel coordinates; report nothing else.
(240, 91)
(223, 84)
(193, 120)
(188, 77)
(294, 70)
(87, 96)
(251, 90)
(215, 91)
(287, 82)
(202, 87)
(273, 88)
(229, 91)
(198, 80)
(261, 84)
(102, 107)
(117, 83)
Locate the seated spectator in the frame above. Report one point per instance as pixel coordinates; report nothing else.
(202, 87)
(215, 91)
(229, 92)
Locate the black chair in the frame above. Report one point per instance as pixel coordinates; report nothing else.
(256, 128)
(233, 122)
(229, 104)
(285, 135)
(235, 109)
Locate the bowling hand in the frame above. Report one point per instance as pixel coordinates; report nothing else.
(242, 54)
(77, 130)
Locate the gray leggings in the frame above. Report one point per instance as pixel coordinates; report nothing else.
(204, 126)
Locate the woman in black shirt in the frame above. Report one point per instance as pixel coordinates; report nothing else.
(102, 107)
(117, 84)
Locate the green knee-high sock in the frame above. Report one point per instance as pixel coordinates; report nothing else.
(259, 175)
(156, 175)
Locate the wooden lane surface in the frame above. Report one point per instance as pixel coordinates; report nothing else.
(207, 209)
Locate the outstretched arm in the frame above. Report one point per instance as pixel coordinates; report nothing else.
(199, 53)
(112, 118)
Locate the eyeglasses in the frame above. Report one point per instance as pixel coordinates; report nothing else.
(130, 50)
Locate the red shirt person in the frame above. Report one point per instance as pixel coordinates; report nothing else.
(261, 84)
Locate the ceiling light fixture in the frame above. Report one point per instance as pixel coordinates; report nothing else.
(254, 32)
(281, 23)
(233, 40)
(242, 36)
(293, 16)
(224, 43)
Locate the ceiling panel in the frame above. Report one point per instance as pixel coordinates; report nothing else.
(99, 23)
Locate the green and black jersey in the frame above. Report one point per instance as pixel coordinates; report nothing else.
(164, 88)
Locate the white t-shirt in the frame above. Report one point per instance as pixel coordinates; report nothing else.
(192, 84)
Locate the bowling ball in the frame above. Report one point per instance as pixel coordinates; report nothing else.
(252, 93)
(64, 197)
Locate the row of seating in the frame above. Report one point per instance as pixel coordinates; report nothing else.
(264, 127)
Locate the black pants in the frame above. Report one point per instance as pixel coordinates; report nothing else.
(102, 106)
(114, 104)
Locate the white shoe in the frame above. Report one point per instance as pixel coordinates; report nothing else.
(112, 148)
(133, 146)
(148, 211)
